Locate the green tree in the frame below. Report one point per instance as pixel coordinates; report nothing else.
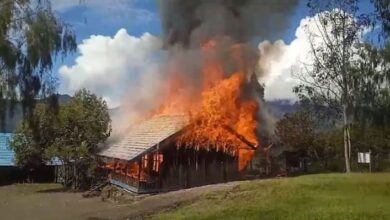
(334, 40)
(72, 135)
(371, 86)
(372, 103)
(383, 14)
(296, 131)
(308, 133)
(31, 38)
(83, 123)
(30, 144)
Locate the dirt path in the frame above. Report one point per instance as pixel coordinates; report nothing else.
(41, 202)
(47, 201)
(160, 202)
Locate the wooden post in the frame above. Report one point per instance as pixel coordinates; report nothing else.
(126, 172)
(139, 171)
(369, 153)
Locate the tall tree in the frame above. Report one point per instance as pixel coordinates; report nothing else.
(371, 86)
(327, 80)
(31, 38)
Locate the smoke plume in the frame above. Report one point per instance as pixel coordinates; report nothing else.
(189, 22)
(230, 27)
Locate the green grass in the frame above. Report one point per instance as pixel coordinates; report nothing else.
(314, 197)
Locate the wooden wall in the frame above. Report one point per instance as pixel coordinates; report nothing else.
(186, 168)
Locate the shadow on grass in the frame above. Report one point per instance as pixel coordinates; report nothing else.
(56, 190)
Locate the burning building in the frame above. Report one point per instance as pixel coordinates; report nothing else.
(150, 158)
(204, 125)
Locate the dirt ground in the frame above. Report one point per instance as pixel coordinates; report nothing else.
(49, 201)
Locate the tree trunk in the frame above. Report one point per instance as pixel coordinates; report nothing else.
(349, 142)
(346, 141)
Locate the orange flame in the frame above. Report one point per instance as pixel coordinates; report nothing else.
(216, 108)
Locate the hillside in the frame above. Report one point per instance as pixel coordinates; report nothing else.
(13, 118)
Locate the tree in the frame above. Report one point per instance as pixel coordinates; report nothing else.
(84, 123)
(72, 135)
(372, 106)
(30, 144)
(371, 86)
(296, 131)
(334, 40)
(383, 15)
(31, 38)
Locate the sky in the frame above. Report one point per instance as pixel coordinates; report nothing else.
(119, 42)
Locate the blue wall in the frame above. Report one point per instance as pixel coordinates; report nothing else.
(6, 155)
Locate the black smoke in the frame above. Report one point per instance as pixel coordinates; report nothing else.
(189, 22)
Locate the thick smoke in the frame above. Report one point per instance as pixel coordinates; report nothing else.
(188, 22)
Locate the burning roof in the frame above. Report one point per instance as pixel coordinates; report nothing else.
(145, 136)
(150, 133)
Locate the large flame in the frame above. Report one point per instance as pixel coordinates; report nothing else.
(221, 116)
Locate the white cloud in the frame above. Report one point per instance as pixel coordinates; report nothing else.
(109, 66)
(279, 79)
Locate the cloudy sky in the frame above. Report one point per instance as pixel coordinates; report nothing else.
(119, 42)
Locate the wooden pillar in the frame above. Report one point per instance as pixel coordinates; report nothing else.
(204, 167)
(139, 171)
(126, 172)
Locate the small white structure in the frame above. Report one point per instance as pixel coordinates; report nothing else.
(365, 157)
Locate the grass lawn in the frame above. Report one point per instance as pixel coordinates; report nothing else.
(314, 197)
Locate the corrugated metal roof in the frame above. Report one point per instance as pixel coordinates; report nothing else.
(145, 136)
(6, 154)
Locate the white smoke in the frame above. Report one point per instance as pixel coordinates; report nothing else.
(108, 66)
(280, 60)
(122, 69)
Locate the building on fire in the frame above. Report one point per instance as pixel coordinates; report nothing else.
(150, 159)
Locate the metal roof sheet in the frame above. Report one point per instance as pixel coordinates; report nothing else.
(6, 154)
(145, 136)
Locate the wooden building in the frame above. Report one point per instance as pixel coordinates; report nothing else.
(149, 160)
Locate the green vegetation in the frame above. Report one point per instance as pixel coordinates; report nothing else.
(70, 133)
(324, 196)
(32, 37)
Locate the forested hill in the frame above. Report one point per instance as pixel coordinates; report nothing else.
(280, 107)
(277, 107)
(12, 118)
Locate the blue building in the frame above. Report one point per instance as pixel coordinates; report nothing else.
(6, 154)
(11, 173)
